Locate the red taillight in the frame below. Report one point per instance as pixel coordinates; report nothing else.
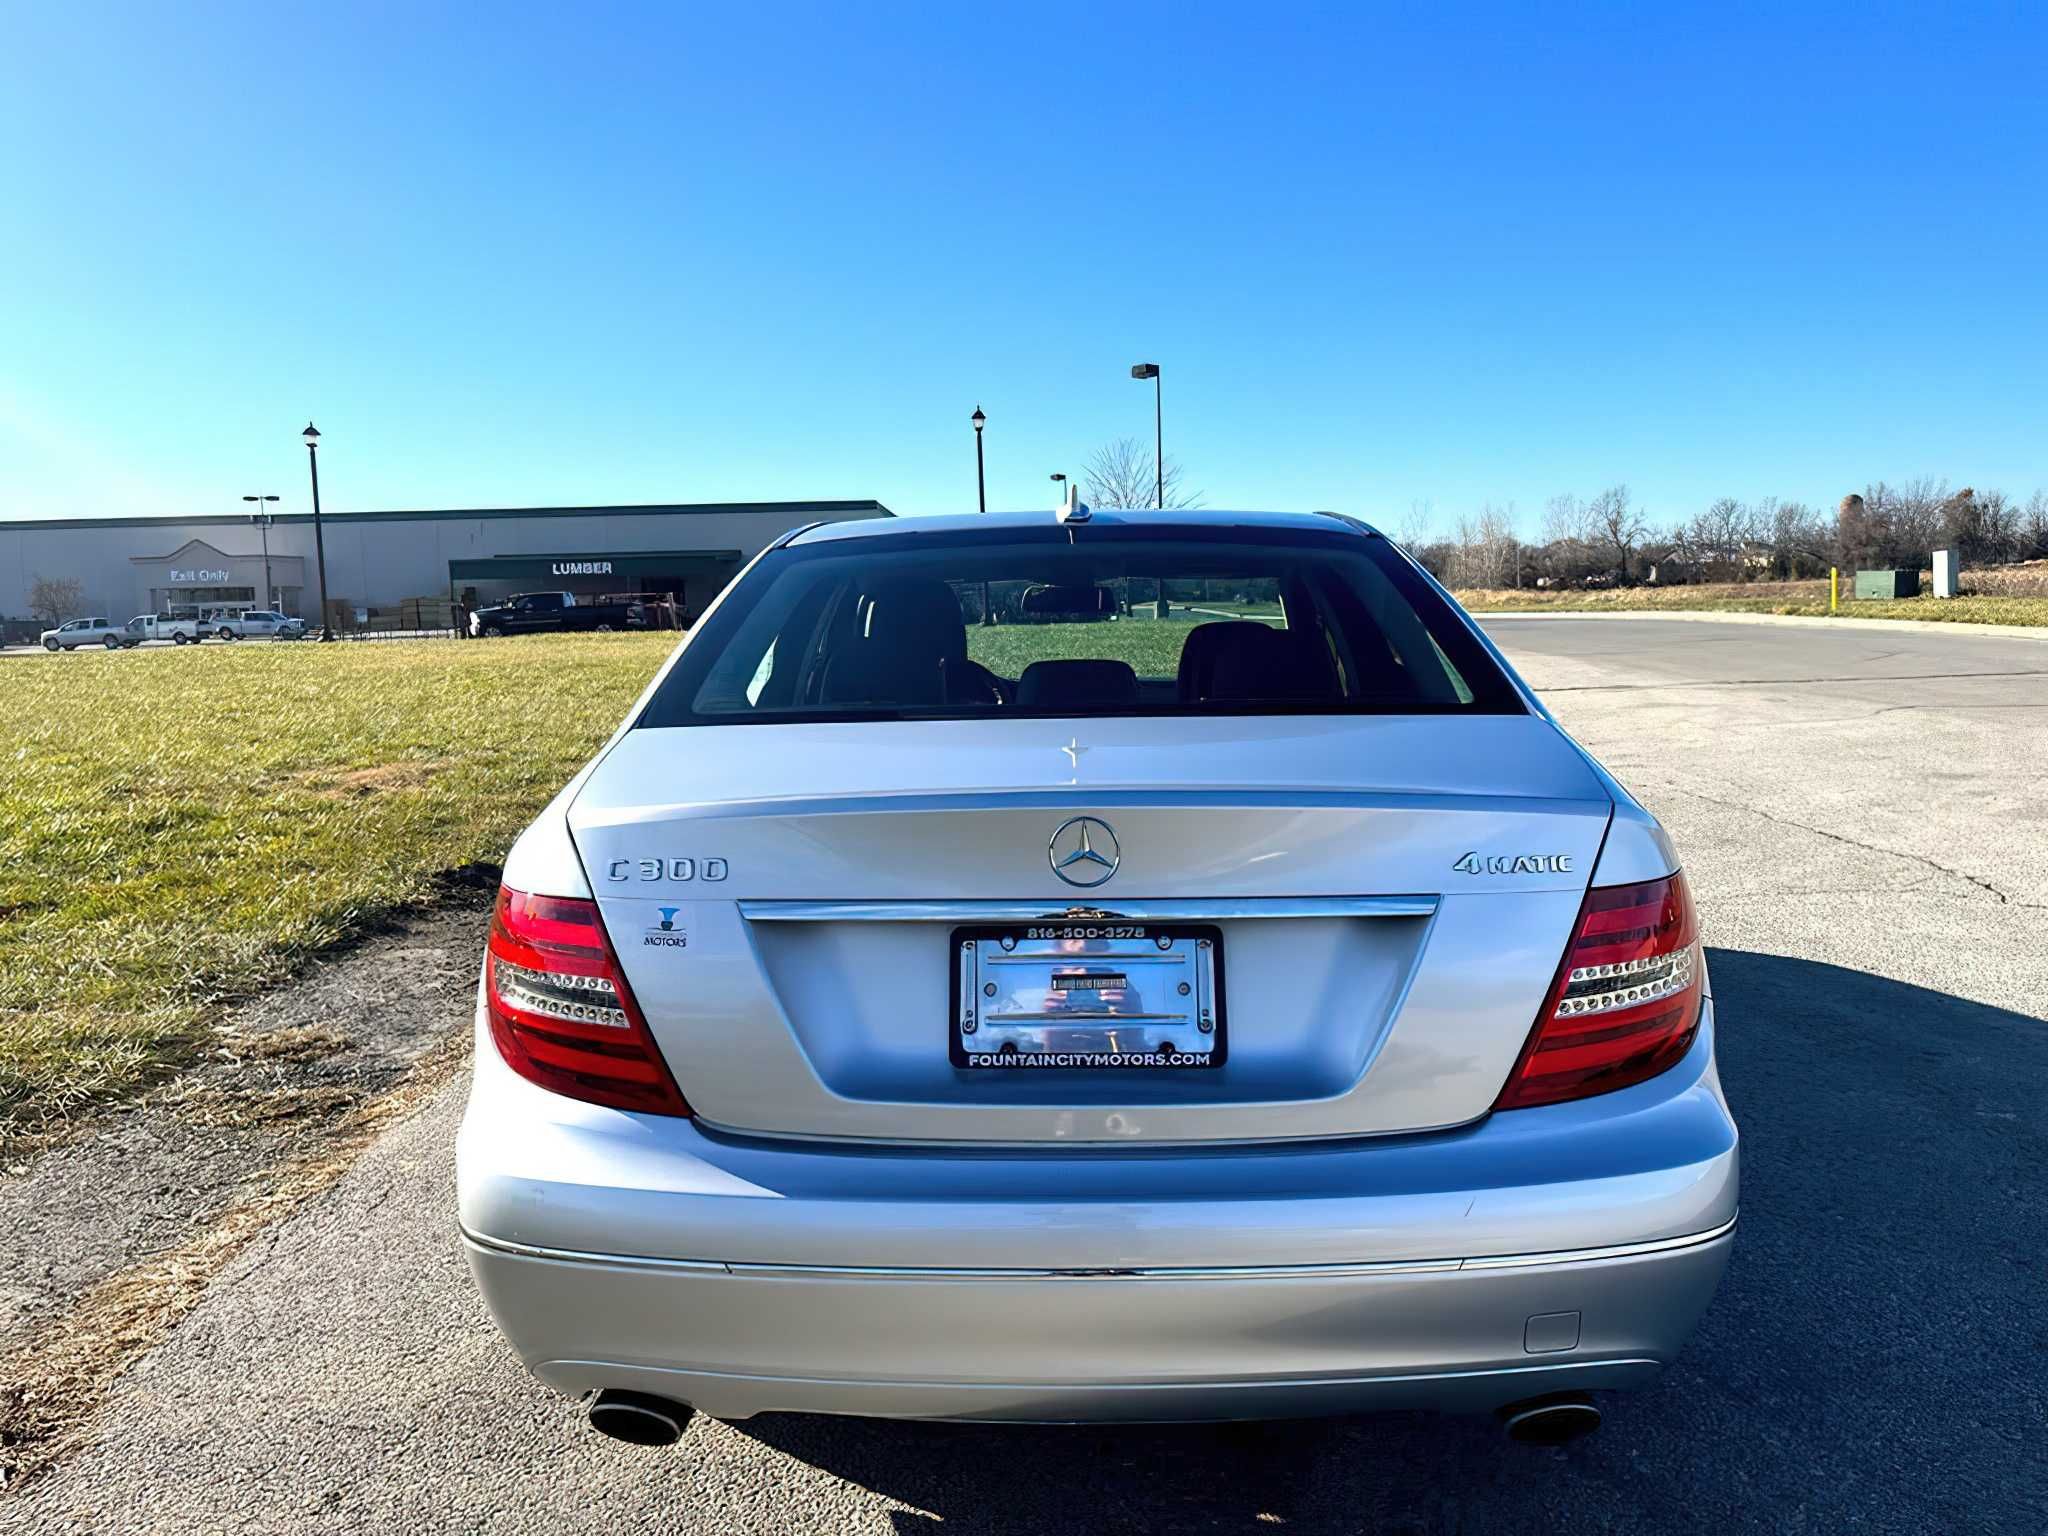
(561, 1012)
(1626, 1001)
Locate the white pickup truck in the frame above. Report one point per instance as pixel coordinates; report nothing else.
(161, 626)
(99, 630)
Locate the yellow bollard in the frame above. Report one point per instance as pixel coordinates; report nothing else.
(1834, 588)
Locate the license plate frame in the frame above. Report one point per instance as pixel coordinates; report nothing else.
(1087, 995)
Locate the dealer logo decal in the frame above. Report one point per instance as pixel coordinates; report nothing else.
(668, 935)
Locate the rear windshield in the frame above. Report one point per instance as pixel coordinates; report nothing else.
(1095, 621)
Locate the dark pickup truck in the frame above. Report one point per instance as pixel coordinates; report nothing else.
(531, 612)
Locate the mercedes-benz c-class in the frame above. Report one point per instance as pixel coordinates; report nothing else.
(1114, 966)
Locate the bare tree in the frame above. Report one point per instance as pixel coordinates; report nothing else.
(1497, 525)
(2034, 527)
(1121, 474)
(1796, 537)
(1617, 527)
(54, 601)
(1674, 555)
(1485, 548)
(1718, 537)
(1568, 554)
(1919, 516)
(1998, 526)
(1983, 527)
(1608, 537)
(1416, 529)
(1464, 538)
(1893, 525)
(1564, 520)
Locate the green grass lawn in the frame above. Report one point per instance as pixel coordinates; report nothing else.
(1806, 599)
(1151, 646)
(180, 827)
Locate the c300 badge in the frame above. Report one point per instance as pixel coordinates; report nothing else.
(675, 871)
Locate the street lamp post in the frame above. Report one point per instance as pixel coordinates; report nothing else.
(261, 518)
(980, 470)
(1151, 371)
(981, 491)
(312, 437)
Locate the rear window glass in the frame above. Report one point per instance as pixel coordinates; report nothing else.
(1093, 621)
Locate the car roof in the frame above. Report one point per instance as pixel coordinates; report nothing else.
(1193, 520)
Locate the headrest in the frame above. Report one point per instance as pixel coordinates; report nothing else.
(1240, 659)
(875, 674)
(920, 615)
(1076, 685)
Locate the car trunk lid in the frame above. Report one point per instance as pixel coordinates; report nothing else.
(1389, 895)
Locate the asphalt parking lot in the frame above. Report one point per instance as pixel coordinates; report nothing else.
(1864, 816)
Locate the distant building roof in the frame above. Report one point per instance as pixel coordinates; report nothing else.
(790, 509)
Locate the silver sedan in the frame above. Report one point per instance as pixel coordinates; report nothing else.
(1094, 966)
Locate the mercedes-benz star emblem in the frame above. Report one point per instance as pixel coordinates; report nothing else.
(1084, 851)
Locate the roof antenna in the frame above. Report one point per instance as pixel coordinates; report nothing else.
(1074, 510)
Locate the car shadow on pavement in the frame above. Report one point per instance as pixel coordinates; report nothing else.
(1874, 1358)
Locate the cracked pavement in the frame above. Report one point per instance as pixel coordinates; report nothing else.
(1864, 817)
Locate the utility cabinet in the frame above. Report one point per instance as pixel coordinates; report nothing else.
(1946, 573)
(1887, 583)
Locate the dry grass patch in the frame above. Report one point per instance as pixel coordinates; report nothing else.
(2027, 579)
(385, 778)
(1804, 599)
(297, 1042)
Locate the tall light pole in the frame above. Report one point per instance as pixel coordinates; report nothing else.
(1060, 481)
(312, 437)
(1151, 371)
(981, 492)
(980, 471)
(261, 518)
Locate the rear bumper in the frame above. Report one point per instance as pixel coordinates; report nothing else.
(735, 1341)
(1568, 1247)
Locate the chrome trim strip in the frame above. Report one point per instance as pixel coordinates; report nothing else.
(511, 1249)
(1244, 1272)
(1064, 801)
(1582, 1255)
(1219, 909)
(1220, 1272)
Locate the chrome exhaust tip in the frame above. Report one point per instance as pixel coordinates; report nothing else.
(639, 1418)
(1554, 1420)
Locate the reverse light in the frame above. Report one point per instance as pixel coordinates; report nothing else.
(1626, 1001)
(561, 1013)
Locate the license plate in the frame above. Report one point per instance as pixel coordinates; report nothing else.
(1088, 995)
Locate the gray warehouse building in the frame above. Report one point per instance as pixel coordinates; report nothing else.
(130, 565)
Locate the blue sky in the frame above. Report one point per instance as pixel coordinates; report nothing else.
(529, 255)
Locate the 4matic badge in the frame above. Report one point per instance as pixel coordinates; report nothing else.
(667, 935)
(1514, 864)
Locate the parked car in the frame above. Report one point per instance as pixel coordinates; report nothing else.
(100, 630)
(1150, 1019)
(532, 612)
(161, 626)
(258, 624)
